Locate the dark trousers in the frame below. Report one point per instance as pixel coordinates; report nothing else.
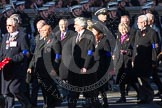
(50, 93)
(146, 93)
(157, 79)
(80, 80)
(16, 88)
(35, 88)
(91, 99)
(9, 100)
(126, 78)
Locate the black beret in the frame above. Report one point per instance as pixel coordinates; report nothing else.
(98, 27)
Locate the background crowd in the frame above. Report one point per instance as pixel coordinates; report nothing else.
(80, 49)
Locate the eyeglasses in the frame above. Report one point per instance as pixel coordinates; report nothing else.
(9, 25)
(140, 22)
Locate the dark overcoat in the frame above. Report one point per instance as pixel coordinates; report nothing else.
(123, 60)
(44, 58)
(14, 74)
(145, 52)
(82, 57)
(63, 69)
(103, 56)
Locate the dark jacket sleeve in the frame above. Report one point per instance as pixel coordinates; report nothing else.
(155, 46)
(57, 49)
(90, 51)
(1, 49)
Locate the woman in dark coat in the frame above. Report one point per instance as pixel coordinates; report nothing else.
(122, 56)
(103, 56)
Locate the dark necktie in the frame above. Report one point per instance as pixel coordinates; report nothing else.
(78, 38)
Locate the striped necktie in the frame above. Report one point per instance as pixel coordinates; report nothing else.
(62, 36)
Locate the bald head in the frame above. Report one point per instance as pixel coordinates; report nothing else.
(125, 20)
(45, 30)
(150, 18)
(40, 24)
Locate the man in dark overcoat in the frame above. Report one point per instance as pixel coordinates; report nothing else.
(45, 63)
(14, 46)
(81, 72)
(145, 57)
(63, 35)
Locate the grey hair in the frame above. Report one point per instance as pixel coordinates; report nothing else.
(150, 16)
(65, 20)
(82, 21)
(43, 22)
(16, 16)
(14, 21)
(143, 17)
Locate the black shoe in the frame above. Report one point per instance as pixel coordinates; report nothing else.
(144, 102)
(157, 94)
(121, 100)
(138, 97)
(105, 106)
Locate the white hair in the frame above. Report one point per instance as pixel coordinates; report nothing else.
(143, 17)
(82, 21)
(150, 16)
(16, 16)
(14, 21)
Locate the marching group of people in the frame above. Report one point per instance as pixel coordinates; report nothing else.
(66, 58)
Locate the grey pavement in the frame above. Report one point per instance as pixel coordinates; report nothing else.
(112, 98)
